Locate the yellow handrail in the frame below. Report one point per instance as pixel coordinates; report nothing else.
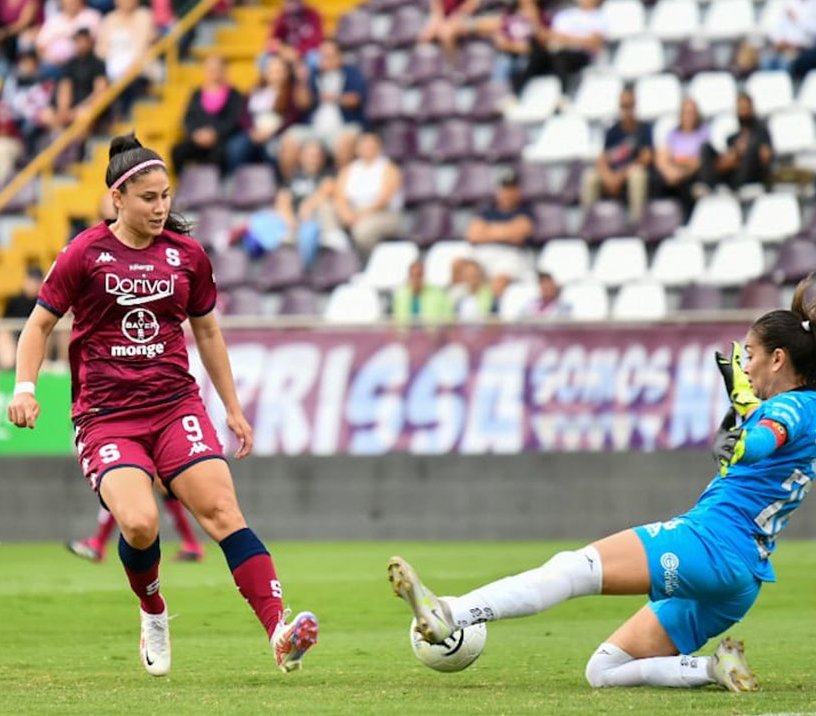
(167, 45)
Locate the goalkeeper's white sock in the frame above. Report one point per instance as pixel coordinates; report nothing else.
(612, 666)
(566, 575)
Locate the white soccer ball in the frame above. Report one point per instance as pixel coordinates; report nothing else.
(457, 652)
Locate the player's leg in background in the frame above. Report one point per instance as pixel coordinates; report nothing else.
(191, 549)
(93, 547)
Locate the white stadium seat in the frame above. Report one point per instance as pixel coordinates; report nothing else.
(440, 258)
(587, 301)
(567, 260)
(675, 20)
(771, 91)
(516, 299)
(353, 303)
(678, 262)
(538, 101)
(638, 57)
(792, 131)
(806, 99)
(387, 267)
(661, 128)
(722, 126)
(619, 261)
(565, 137)
(729, 20)
(597, 97)
(624, 18)
(735, 262)
(640, 301)
(774, 217)
(715, 217)
(658, 95)
(714, 92)
(770, 14)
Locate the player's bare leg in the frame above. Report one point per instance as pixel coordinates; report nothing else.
(206, 489)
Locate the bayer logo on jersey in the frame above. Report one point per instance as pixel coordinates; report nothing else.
(457, 652)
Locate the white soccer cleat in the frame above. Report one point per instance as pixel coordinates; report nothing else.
(290, 642)
(154, 647)
(731, 669)
(433, 617)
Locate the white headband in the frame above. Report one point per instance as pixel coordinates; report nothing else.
(806, 325)
(130, 172)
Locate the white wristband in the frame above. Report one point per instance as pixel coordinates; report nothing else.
(24, 387)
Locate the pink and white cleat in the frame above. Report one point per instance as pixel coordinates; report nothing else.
(290, 642)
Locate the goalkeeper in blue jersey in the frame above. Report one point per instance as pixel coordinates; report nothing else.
(703, 569)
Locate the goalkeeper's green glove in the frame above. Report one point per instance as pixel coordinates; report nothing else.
(736, 382)
(729, 442)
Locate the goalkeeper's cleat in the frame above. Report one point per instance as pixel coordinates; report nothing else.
(730, 669)
(290, 642)
(737, 384)
(433, 617)
(86, 549)
(154, 647)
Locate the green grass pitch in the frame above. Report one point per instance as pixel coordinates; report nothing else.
(69, 637)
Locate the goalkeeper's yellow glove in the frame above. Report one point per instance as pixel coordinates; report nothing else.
(736, 382)
(729, 442)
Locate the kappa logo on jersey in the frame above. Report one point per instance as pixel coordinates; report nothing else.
(199, 448)
(105, 258)
(136, 291)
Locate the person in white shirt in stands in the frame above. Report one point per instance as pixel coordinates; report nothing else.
(794, 31)
(368, 196)
(574, 39)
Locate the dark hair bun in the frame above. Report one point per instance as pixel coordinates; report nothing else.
(123, 143)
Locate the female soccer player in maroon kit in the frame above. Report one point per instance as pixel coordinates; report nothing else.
(136, 408)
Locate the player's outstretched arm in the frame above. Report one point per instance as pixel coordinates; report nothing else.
(23, 410)
(736, 381)
(213, 351)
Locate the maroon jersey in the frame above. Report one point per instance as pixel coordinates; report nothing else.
(127, 346)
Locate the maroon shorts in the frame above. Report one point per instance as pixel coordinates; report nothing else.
(163, 440)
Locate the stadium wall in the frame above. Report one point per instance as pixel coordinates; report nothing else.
(530, 496)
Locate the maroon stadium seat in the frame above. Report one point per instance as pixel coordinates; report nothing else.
(425, 63)
(603, 220)
(761, 293)
(243, 301)
(419, 183)
(213, 227)
(488, 100)
(454, 142)
(299, 301)
(399, 139)
(405, 28)
(253, 187)
(700, 297)
(371, 61)
(550, 222)
(231, 268)
(354, 29)
(661, 219)
(432, 223)
(198, 186)
(438, 100)
(507, 142)
(795, 259)
(279, 269)
(331, 268)
(474, 184)
(384, 102)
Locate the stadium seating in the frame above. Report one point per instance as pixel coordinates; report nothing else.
(515, 299)
(619, 261)
(640, 301)
(566, 260)
(678, 262)
(387, 267)
(774, 217)
(353, 303)
(588, 301)
(734, 262)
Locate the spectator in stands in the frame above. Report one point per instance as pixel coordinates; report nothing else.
(447, 22)
(271, 110)
(11, 144)
(214, 114)
(19, 306)
(572, 42)
(166, 13)
(368, 196)
(296, 33)
(418, 302)
(18, 19)
(124, 37)
(793, 32)
(298, 210)
(30, 100)
(507, 221)
(623, 166)
(55, 40)
(331, 97)
(748, 156)
(678, 161)
(548, 303)
(470, 294)
(511, 33)
(83, 80)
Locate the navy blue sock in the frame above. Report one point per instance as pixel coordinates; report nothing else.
(142, 569)
(240, 546)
